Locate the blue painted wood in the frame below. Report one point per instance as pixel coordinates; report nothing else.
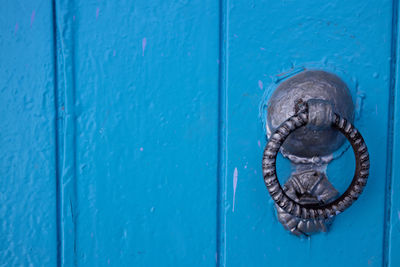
(27, 135)
(131, 133)
(66, 135)
(144, 86)
(264, 40)
(392, 243)
(393, 223)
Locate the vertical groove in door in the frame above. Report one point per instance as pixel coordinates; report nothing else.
(390, 133)
(63, 21)
(222, 135)
(56, 126)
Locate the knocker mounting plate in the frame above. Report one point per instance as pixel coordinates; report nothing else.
(317, 85)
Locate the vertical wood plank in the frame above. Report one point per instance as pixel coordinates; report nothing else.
(146, 106)
(27, 135)
(266, 39)
(392, 243)
(394, 221)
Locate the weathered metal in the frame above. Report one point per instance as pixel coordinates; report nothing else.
(307, 211)
(307, 187)
(313, 84)
(307, 203)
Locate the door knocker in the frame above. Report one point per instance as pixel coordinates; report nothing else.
(309, 115)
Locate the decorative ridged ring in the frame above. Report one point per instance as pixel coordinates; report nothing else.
(313, 211)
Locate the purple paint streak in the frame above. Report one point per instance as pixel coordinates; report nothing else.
(144, 43)
(33, 17)
(16, 28)
(235, 180)
(260, 84)
(97, 12)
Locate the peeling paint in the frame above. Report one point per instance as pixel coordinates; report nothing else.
(33, 17)
(260, 84)
(144, 43)
(235, 180)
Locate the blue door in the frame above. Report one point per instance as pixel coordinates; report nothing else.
(132, 132)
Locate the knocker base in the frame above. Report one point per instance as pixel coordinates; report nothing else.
(309, 116)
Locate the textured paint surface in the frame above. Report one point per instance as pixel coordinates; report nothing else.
(27, 135)
(146, 132)
(355, 38)
(392, 244)
(130, 132)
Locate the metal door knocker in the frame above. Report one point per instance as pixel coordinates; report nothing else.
(308, 117)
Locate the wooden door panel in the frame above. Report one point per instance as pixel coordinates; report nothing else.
(268, 38)
(28, 232)
(392, 226)
(145, 89)
(131, 131)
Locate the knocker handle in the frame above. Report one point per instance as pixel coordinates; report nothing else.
(315, 211)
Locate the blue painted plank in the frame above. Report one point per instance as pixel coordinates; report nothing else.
(392, 244)
(27, 135)
(268, 38)
(145, 92)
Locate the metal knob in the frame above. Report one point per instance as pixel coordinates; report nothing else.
(309, 117)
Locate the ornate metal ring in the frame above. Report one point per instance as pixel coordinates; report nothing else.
(307, 211)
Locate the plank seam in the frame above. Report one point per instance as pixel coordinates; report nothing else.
(65, 133)
(390, 133)
(222, 135)
(56, 136)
